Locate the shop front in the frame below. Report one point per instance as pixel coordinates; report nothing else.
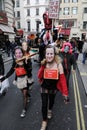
(65, 33)
(6, 31)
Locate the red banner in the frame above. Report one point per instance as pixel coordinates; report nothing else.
(51, 73)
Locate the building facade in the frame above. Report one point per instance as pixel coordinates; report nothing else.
(72, 16)
(28, 15)
(6, 20)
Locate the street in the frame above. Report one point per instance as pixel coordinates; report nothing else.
(70, 116)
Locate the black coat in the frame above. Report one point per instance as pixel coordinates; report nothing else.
(70, 61)
(1, 65)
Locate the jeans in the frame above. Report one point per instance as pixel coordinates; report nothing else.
(84, 57)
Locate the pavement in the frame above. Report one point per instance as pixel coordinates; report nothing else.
(7, 59)
(81, 67)
(83, 71)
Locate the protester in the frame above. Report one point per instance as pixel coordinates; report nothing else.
(68, 59)
(7, 43)
(74, 44)
(2, 71)
(12, 46)
(1, 66)
(26, 50)
(47, 37)
(49, 85)
(84, 51)
(41, 49)
(21, 73)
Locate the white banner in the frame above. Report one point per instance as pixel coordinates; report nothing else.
(54, 6)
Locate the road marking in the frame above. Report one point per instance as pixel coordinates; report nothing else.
(83, 73)
(78, 105)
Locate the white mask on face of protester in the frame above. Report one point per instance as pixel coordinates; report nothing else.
(66, 49)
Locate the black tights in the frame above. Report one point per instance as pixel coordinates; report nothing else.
(47, 103)
(25, 91)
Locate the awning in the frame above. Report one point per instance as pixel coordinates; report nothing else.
(65, 31)
(6, 29)
(20, 32)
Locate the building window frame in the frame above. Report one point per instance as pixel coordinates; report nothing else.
(60, 1)
(85, 10)
(37, 1)
(17, 3)
(18, 14)
(28, 2)
(18, 25)
(60, 11)
(74, 1)
(37, 11)
(28, 26)
(66, 1)
(66, 11)
(85, 25)
(37, 26)
(28, 12)
(74, 10)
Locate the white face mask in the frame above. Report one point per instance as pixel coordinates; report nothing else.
(24, 46)
(18, 54)
(66, 49)
(49, 55)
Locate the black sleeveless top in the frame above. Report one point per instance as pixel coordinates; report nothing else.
(49, 84)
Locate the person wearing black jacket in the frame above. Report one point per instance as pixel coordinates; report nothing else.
(2, 74)
(68, 60)
(1, 66)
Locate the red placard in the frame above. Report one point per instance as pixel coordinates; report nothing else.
(51, 73)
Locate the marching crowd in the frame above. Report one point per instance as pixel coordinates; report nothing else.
(55, 59)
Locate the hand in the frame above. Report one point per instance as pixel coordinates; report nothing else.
(73, 71)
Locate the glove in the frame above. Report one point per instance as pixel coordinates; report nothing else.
(2, 79)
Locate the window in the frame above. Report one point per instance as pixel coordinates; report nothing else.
(37, 1)
(37, 11)
(0, 5)
(14, 14)
(28, 1)
(85, 25)
(37, 26)
(85, 10)
(17, 3)
(60, 1)
(66, 1)
(74, 10)
(18, 14)
(46, 9)
(28, 12)
(28, 25)
(66, 11)
(60, 11)
(74, 1)
(18, 25)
